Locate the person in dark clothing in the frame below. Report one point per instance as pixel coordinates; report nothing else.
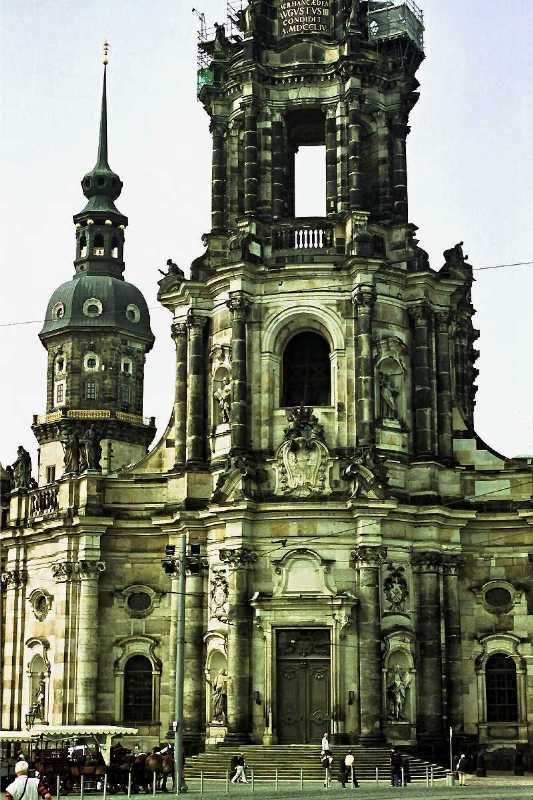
(395, 768)
(406, 770)
(347, 770)
(327, 763)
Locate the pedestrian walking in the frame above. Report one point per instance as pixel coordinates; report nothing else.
(460, 769)
(26, 788)
(348, 770)
(240, 770)
(395, 768)
(325, 744)
(327, 763)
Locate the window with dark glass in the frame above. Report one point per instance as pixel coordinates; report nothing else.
(138, 690)
(90, 390)
(50, 474)
(502, 694)
(306, 371)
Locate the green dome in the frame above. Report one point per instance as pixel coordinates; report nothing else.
(97, 302)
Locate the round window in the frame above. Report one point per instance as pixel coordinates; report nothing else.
(133, 313)
(139, 601)
(498, 598)
(58, 311)
(41, 604)
(92, 307)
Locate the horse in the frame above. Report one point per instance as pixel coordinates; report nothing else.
(160, 762)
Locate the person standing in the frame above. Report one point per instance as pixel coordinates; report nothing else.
(395, 768)
(460, 768)
(24, 787)
(240, 766)
(327, 763)
(325, 744)
(348, 770)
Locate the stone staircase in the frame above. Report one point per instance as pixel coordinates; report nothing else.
(290, 759)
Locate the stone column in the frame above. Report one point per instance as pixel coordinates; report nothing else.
(171, 684)
(12, 586)
(422, 381)
(354, 158)
(444, 388)
(331, 161)
(384, 199)
(364, 298)
(239, 306)
(239, 632)
(278, 173)
(196, 410)
(367, 561)
(87, 649)
(250, 160)
(452, 621)
(179, 334)
(399, 132)
(218, 178)
(194, 674)
(429, 662)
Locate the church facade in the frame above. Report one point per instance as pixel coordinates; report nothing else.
(365, 561)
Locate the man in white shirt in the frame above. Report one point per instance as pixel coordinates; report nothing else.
(325, 744)
(24, 787)
(348, 771)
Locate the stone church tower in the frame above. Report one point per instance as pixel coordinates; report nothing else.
(365, 557)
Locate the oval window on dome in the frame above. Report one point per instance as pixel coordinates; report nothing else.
(58, 311)
(92, 307)
(133, 313)
(91, 362)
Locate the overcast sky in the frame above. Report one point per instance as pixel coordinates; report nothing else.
(470, 176)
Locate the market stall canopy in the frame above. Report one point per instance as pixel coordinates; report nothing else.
(17, 736)
(66, 731)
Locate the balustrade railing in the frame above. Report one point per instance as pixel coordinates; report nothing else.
(44, 500)
(303, 234)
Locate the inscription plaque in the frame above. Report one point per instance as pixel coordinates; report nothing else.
(304, 16)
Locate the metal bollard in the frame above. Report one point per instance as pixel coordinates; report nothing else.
(377, 776)
(403, 777)
(154, 785)
(81, 788)
(252, 780)
(58, 787)
(227, 781)
(201, 783)
(427, 777)
(129, 784)
(301, 779)
(104, 795)
(276, 781)
(432, 776)
(327, 777)
(352, 783)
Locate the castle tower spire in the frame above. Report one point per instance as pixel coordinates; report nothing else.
(102, 141)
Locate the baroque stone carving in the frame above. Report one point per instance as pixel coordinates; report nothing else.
(72, 570)
(366, 474)
(14, 579)
(218, 596)
(426, 560)
(82, 454)
(398, 683)
(368, 556)
(237, 557)
(303, 461)
(396, 589)
(239, 304)
(22, 469)
(222, 396)
(219, 697)
(237, 480)
(41, 603)
(44, 501)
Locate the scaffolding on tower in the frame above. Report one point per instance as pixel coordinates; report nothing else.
(204, 71)
(393, 19)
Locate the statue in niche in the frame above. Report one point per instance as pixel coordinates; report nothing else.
(71, 448)
(389, 398)
(22, 469)
(219, 690)
(223, 398)
(93, 449)
(38, 705)
(397, 687)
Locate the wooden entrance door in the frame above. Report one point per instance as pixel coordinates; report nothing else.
(303, 685)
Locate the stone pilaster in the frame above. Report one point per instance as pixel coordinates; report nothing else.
(250, 160)
(427, 565)
(364, 298)
(278, 160)
(239, 631)
(422, 381)
(399, 132)
(13, 584)
(367, 561)
(218, 178)
(196, 411)
(354, 158)
(453, 638)
(193, 704)
(331, 162)
(179, 334)
(444, 387)
(239, 306)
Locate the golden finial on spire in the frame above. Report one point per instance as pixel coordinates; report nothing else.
(105, 53)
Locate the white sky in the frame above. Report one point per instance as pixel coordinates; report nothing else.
(470, 176)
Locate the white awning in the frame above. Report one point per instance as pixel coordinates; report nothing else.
(16, 736)
(67, 731)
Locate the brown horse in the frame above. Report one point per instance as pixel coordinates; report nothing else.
(162, 765)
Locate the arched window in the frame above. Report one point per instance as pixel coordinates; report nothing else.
(306, 371)
(98, 248)
(83, 246)
(114, 248)
(502, 694)
(138, 690)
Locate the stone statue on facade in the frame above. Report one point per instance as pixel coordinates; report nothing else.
(71, 458)
(389, 398)
(223, 398)
(397, 693)
(93, 449)
(455, 257)
(38, 705)
(22, 469)
(219, 690)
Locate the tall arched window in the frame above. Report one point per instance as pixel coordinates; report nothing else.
(306, 371)
(138, 690)
(502, 694)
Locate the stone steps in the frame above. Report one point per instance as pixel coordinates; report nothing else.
(290, 759)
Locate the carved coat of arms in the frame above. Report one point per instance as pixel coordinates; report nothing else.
(303, 461)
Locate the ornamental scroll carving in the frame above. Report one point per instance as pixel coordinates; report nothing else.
(365, 556)
(303, 462)
(75, 570)
(14, 579)
(396, 589)
(238, 557)
(219, 596)
(366, 474)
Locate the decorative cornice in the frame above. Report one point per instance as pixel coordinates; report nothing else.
(368, 556)
(76, 570)
(238, 557)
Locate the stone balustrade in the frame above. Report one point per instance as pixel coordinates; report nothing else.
(311, 233)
